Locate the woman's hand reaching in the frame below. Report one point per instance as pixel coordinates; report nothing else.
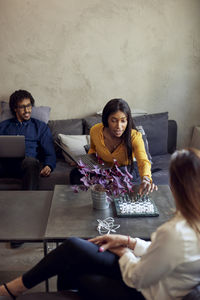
(112, 241)
(147, 186)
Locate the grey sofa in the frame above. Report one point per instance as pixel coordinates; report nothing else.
(161, 135)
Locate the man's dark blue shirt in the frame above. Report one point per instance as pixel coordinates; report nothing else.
(38, 138)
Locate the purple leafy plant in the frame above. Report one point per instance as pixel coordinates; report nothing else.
(113, 181)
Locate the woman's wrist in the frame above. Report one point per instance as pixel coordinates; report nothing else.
(131, 242)
(146, 179)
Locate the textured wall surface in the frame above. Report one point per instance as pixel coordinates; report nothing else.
(75, 55)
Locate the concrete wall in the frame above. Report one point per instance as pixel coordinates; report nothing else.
(75, 55)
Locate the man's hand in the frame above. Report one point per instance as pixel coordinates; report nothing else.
(45, 171)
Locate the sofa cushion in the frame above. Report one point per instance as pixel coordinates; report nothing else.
(146, 144)
(38, 112)
(134, 112)
(156, 129)
(73, 144)
(10, 184)
(88, 122)
(60, 175)
(160, 169)
(68, 126)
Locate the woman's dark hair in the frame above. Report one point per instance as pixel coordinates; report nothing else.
(185, 184)
(112, 107)
(17, 97)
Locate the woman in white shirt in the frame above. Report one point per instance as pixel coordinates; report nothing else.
(120, 267)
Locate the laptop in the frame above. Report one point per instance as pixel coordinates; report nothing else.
(12, 146)
(89, 159)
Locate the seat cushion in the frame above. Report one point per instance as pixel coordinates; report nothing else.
(160, 169)
(10, 184)
(68, 126)
(60, 175)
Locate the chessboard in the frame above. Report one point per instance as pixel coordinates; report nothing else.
(135, 206)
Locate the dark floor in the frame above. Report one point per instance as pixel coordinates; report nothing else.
(14, 262)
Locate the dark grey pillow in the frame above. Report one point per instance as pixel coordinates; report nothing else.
(68, 126)
(88, 122)
(156, 129)
(146, 144)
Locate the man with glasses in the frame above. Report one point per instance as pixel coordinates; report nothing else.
(40, 158)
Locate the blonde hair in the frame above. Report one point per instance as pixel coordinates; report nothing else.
(185, 184)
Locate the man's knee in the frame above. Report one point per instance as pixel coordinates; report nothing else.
(30, 169)
(30, 163)
(75, 176)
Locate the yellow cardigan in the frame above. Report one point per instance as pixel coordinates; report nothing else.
(97, 145)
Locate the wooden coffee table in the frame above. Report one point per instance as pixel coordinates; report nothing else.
(72, 214)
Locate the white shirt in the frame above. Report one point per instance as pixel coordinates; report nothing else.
(166, 268)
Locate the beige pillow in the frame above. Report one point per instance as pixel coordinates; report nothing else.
(73, 144)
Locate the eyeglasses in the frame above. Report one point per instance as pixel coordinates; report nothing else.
(23, 107)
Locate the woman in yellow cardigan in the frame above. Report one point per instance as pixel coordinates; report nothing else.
(117, 138)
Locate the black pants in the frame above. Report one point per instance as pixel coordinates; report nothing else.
(28, 169)
(79, 265)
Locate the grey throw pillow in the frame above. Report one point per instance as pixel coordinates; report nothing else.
(146, 144)
(38, 112)
(68, 126)
(88, 122)
(156, 129)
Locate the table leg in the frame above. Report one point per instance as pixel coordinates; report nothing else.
(45, 244)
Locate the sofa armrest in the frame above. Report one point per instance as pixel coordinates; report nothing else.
(172, 136)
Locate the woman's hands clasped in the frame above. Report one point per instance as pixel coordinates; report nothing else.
(108, 241)
(115, 243)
